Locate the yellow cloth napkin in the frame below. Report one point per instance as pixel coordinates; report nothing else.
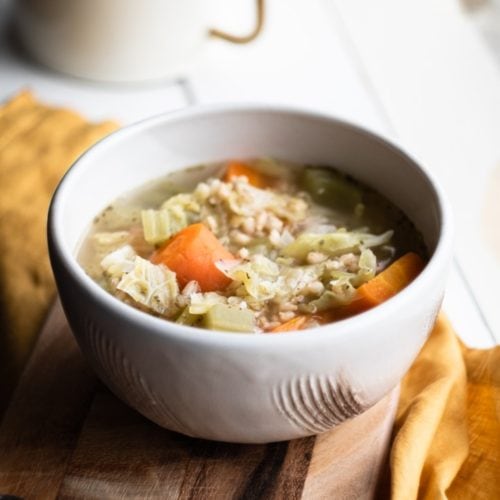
(37, 145)
(447, 431)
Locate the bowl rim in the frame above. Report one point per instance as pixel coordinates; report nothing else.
(163, 327)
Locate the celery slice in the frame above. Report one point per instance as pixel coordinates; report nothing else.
(160, 225)
(186, 318)
(229, 319)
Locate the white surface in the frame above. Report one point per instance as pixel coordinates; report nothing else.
(464, 313)
(298, 60)
(413, 69)
(440, 88)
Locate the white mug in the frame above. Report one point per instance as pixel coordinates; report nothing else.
(119, 40)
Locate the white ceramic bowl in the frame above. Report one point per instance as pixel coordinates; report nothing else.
(244, 387)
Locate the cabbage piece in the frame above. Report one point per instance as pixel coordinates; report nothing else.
(102, 244)
(341, 292)
(247, 200)
(119, 262)
(367, 268)
(328, 300)
(374, 240)
(333, 244)
(259, 276)
(342, 288)
(160, 225)
(153, 286)
(296, 278)
(200, 303)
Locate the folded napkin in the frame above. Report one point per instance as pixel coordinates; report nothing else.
(447, 430)
(37, 145)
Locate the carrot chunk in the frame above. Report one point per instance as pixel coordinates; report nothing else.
(385, 285)
(238, 169)
(293, 324)
(192, 254)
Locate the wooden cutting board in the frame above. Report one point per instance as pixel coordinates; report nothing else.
(65, 435)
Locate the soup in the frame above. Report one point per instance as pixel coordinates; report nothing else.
(260, 246)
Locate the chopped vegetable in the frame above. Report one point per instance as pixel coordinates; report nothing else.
(229, 319)
(192, 254)
(330, 244)
(328, 187)
(340, 295)
(386, 284)
(247, 200)
(102, 244)
(334, 244)
(239, 169)
(118, 262)
(367, 264)
(150, 285)
(258, 276)
(291, 325)
(160, 225)
(186, 318)
(200, 303)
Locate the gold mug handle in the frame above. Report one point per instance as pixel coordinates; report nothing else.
(259, 23)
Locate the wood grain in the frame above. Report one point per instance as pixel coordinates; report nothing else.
(348, 461)
(41, 425)
(66, 436)
(120, 453)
